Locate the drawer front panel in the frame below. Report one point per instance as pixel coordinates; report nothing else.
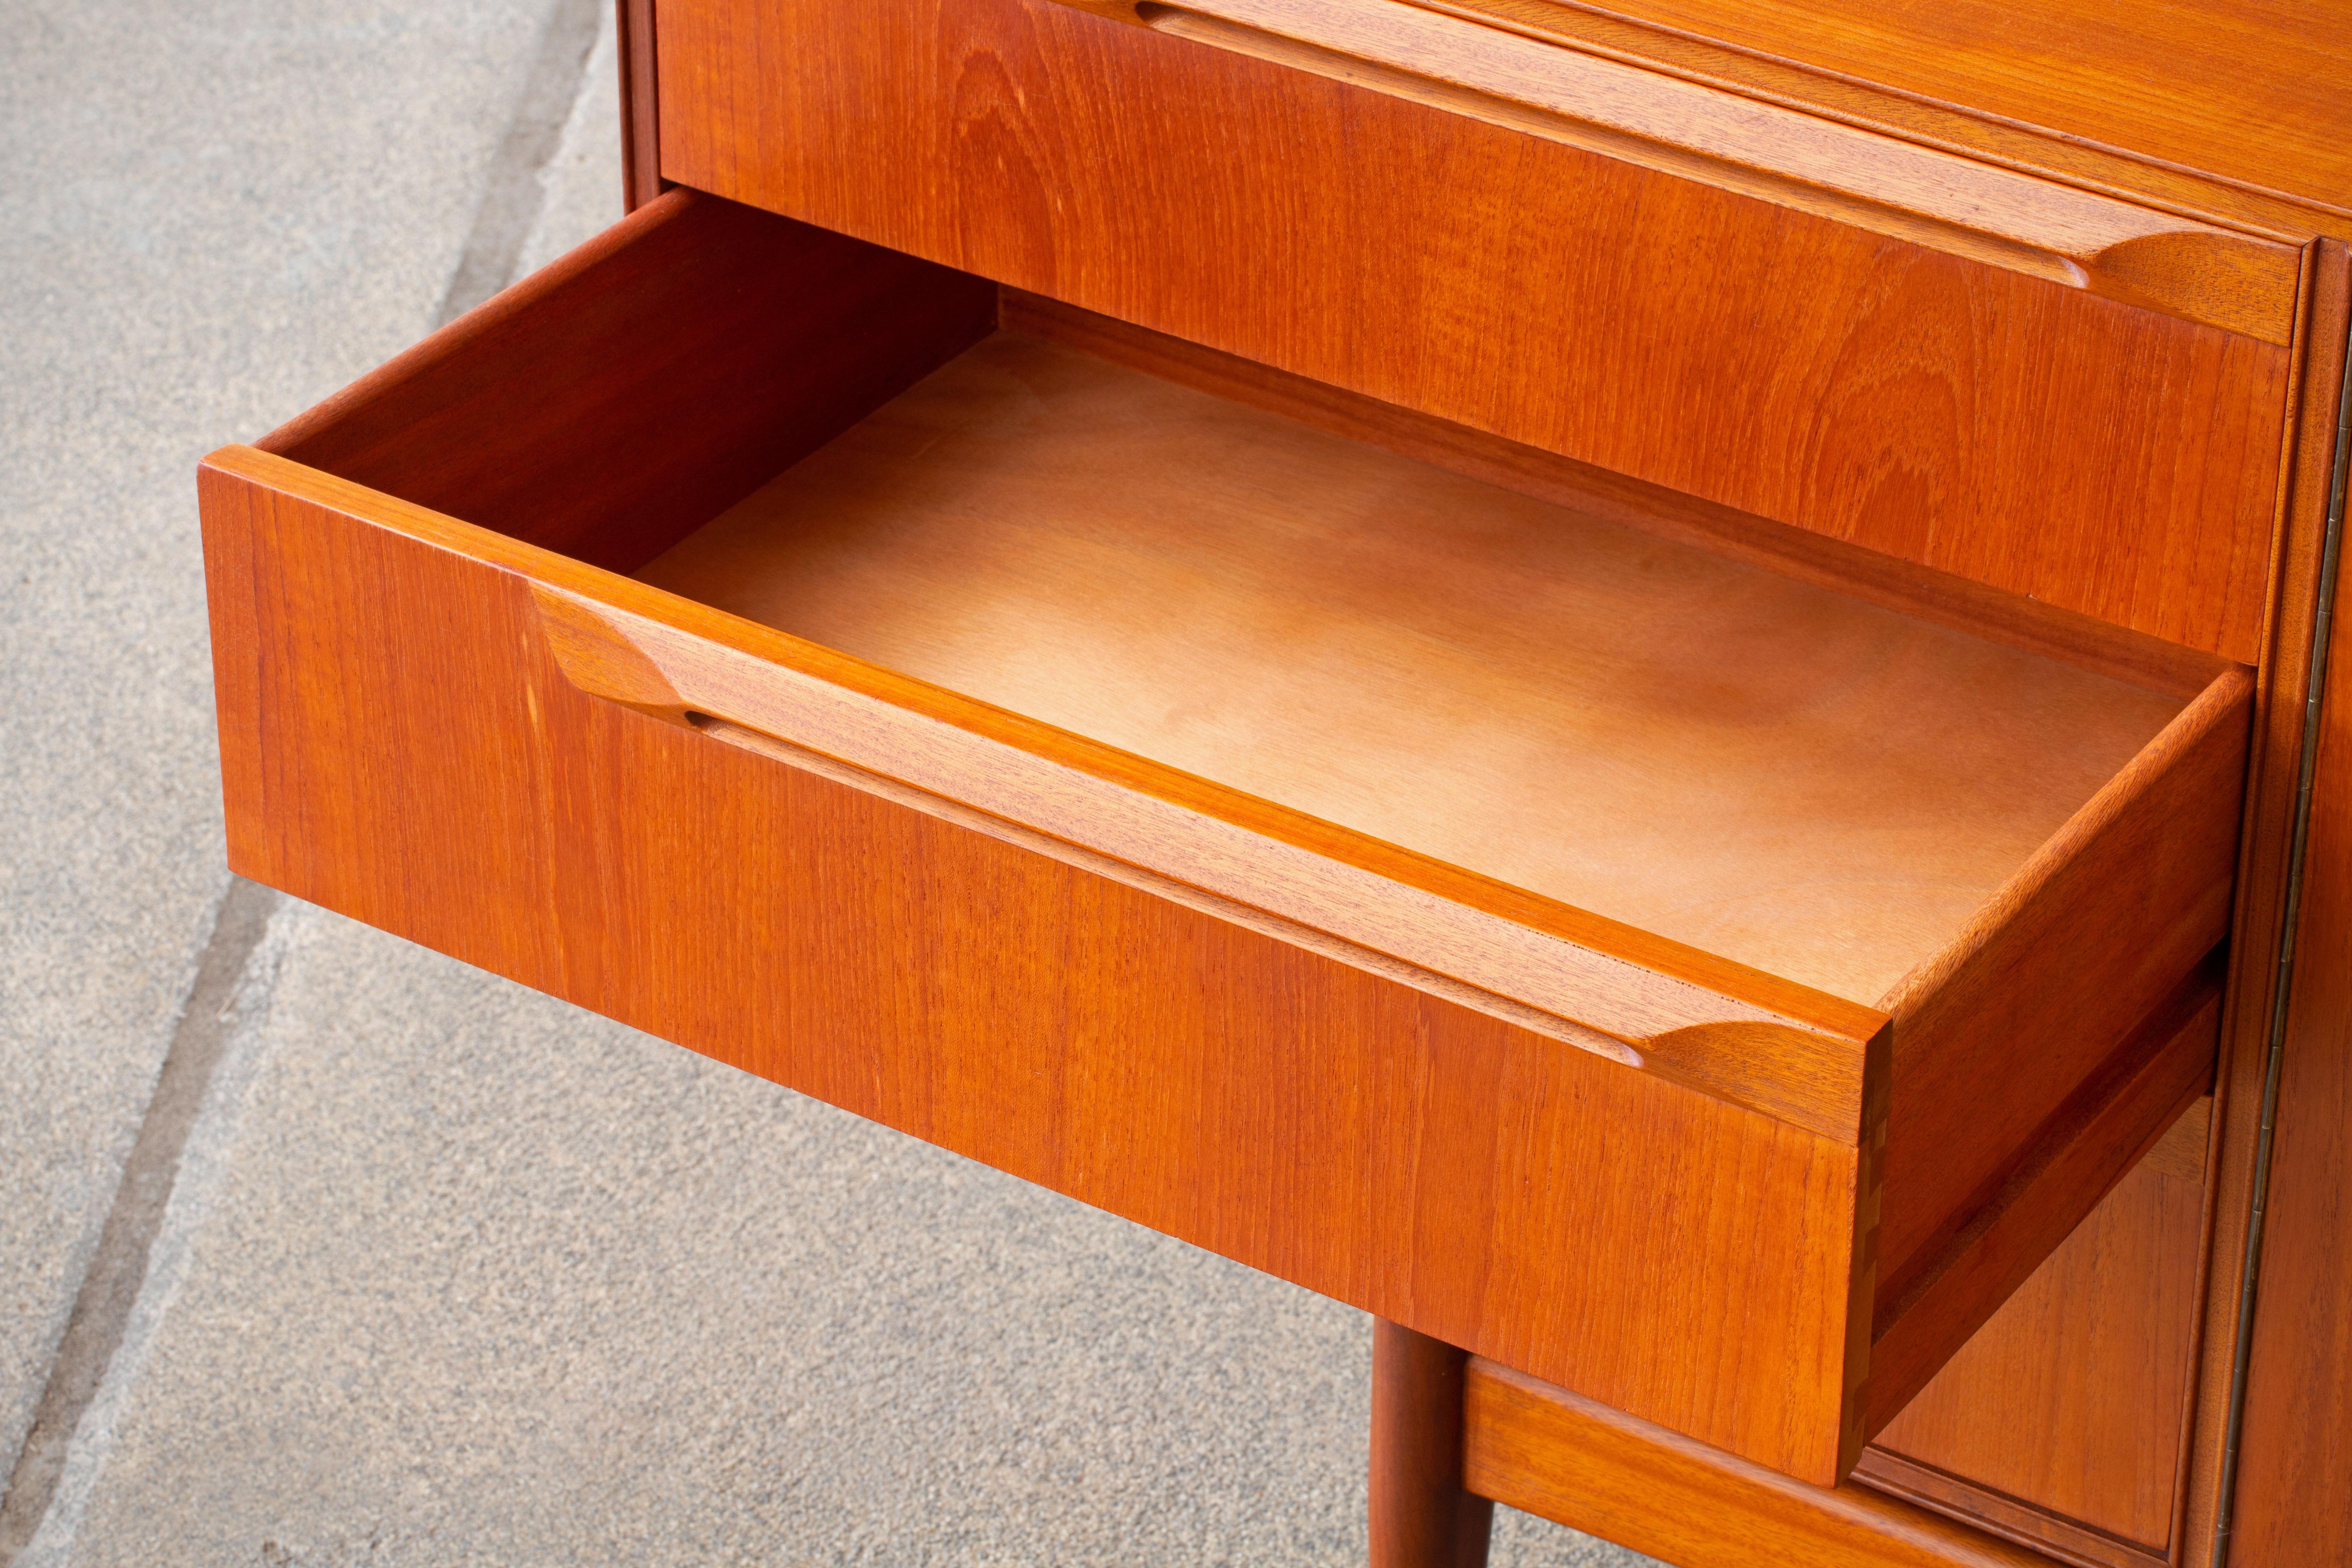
(400, 744)
(2095, 454)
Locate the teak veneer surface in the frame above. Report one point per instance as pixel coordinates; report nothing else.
(2276, 781)
(2252, 90)
(2073, 1399)
(1865, 102)
(1998, 426)
(403, 746)
(1935, 1292)
(1524, 79)
(2065, 1417)
(2292, 1503)
(2177, 89)
(1758, 767)
(1551, 1452)
(677, 299)
(2068, 636)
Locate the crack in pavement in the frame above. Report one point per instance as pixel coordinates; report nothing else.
(119, 1271)
(511, 204)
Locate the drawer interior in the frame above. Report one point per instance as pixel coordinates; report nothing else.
(1788, 776)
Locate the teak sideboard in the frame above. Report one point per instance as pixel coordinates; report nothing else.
(1647, 689)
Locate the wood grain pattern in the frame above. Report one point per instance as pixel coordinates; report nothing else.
(1972, 81)
(1864, 101)
(1981, 1507)
(2094, 1137)
(1888, 184)
(1421, 1517)
(2296, 1449)
(2237, 89)
(969, 534)
(2090, 454)
(622, 395)
(2273, 784)
(1550, 1452)
(2070, 1406)
(1758, 1038)
(1918, 592)
(2155, 854)
(1380, 908)
(403, 747)
(641, 179)
(1342, 576)
(1757, 768)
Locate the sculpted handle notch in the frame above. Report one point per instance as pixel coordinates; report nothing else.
(1791, 1069)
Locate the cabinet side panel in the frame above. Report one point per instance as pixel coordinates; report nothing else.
(2094, 455)
(2294, 1503)
(426, 767)
(2274, 782)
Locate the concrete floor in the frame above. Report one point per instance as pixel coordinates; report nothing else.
(316, 1247)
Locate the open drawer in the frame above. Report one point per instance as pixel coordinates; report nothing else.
(1533, 907)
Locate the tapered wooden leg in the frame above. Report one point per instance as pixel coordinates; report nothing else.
(1421, 1516)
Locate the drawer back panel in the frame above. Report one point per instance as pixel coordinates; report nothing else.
(2095, 454)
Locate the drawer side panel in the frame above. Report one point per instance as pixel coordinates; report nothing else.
(2018, 1014)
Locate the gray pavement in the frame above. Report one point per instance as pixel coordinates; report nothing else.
(209, 216)
(413, 1266)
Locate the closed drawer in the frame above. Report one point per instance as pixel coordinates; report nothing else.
(2049, 390)
(1527, 904)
